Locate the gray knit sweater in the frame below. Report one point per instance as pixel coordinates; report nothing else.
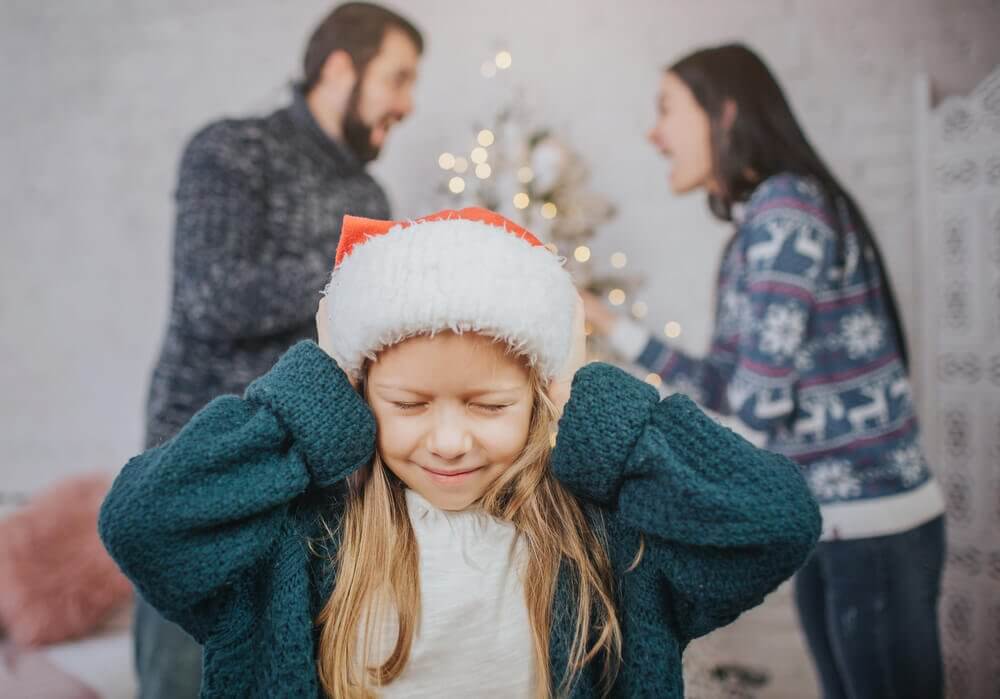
(259, 208)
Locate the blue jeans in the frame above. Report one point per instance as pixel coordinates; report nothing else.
(167, 659)
(869, 611)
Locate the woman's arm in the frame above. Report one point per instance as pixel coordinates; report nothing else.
(724, 522)
(787, 247)
(185, 521)
(703, 379)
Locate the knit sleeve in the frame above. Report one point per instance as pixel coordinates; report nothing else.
(787, 247)
(702, 378)
(235, 277)
(190, 520)
(724, 522)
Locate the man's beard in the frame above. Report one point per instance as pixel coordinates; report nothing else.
(357, 134)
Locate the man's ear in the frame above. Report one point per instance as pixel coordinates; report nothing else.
(338, 72)
(729, 112)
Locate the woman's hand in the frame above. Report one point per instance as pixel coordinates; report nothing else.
(559, 387)
(601, 318)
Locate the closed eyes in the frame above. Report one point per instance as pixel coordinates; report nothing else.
(407, 406)
(486, 407)
(491, 407)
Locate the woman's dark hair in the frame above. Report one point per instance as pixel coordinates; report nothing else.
(357, 28)
(763, 140)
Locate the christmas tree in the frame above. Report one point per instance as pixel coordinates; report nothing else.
(531, 175)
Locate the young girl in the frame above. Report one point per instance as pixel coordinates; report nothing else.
(808, 350)
(384, 514)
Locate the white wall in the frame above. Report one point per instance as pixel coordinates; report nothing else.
(100, 96)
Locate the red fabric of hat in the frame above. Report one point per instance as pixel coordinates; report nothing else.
(356, 229)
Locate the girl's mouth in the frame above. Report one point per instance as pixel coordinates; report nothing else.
(449, 476)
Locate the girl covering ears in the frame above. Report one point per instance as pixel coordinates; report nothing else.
(392, 512)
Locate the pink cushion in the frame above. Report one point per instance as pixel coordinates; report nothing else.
(56, 580)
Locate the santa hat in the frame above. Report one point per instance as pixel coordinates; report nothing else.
(465, 271)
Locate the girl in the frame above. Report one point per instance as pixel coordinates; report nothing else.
(808, 349)
(384, 514)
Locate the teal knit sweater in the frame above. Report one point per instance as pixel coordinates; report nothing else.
(214, 527)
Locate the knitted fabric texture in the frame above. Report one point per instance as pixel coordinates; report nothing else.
(259, 205)
(214, 526)
(804, 351)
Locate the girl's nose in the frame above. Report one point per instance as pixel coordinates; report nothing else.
(449, 439)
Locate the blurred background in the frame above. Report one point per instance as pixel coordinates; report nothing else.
(100, 98)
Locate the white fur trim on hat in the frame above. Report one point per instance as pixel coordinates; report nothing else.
(458, 275)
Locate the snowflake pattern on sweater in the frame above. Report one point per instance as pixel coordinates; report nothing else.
(803, 349)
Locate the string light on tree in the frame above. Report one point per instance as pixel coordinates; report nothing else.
(654, 380)
(446, 161)
(530, 173)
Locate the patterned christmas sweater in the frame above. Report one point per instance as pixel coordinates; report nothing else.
(804, 352)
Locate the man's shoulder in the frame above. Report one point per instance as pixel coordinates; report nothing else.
(228, 133)
(229, 144)
(239, 134)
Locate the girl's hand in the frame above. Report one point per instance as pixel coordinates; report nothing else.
(559, 387)
(601, 318)
(322, 328)
(323, 334)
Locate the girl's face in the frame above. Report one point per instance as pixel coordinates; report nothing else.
(682, 133)
(453, 413)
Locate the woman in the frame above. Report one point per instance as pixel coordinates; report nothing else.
(808, 349)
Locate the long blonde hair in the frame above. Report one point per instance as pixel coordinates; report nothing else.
(377, 569)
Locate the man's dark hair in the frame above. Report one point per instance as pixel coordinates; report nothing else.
(357, 28)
